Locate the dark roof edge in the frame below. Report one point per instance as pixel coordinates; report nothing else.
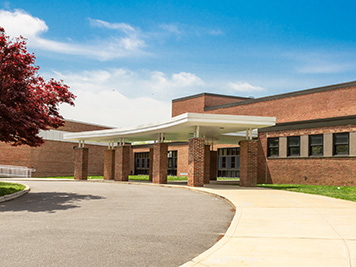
(209, 94)
(291, 94)
(317, 123)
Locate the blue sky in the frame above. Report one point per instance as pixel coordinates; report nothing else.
(126, 60)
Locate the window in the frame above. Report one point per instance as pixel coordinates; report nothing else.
(142, 163)
(293, 144)
(229, 162)
(273, 147)
(341, 143)
(316, 145)
(172, 162)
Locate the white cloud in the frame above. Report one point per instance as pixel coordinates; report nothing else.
(115, 26)
(186, 79)
(172, 28)
(21, 23)
(121, 97)
(244, 87)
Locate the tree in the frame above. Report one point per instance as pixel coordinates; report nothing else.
(28, 103)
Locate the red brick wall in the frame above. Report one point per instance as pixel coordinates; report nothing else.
(71, 126)
(182, 161)
(14, 155)
(197, 104)
(327, 104)
(54, 158)
(324, 170)
(189, 105)
(212, 100)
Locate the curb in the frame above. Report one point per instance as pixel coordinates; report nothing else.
(16, 194)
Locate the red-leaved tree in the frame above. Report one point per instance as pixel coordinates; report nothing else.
(28, 103)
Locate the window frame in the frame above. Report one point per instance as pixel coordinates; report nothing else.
(269, 148)
(289, 146)
(310, 146)
(340, 144)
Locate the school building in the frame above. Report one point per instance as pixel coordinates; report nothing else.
(306, 136)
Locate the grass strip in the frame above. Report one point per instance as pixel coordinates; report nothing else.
(144, 178)
(342, 192)
(10, 188)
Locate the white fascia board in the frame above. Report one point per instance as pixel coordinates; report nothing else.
(58, 135)
(125, 132)
(183, 121)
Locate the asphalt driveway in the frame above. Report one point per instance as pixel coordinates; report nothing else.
(62, 223)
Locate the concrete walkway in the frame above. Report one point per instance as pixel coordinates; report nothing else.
(280, 228)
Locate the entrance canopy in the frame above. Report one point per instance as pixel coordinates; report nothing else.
(219, 129)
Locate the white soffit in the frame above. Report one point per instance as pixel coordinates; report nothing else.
(220, 128)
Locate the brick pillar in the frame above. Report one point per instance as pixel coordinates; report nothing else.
(160, 163)
(196, 162)
(206, 164)
(150, 165)
(248, 163)
(213, 165)
(109, 164)
(122, 163)
(81, 156)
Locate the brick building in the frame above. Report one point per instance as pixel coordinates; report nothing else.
(55, 156)
(314, 140)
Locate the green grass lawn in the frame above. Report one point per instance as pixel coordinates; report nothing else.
(9, 188)
(143, 178)
(342, 192)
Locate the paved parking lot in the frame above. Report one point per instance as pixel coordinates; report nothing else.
(62, 223)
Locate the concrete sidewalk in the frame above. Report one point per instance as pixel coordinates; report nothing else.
(280, 228)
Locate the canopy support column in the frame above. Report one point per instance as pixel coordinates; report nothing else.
(160, 163)
(122, 161)
(196, 162)
(248, 163)
(81, 159)
(109, 162)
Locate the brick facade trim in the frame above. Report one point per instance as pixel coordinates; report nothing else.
(280, 96)
(209, 94)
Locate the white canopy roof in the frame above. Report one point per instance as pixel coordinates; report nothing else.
(224, 129)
